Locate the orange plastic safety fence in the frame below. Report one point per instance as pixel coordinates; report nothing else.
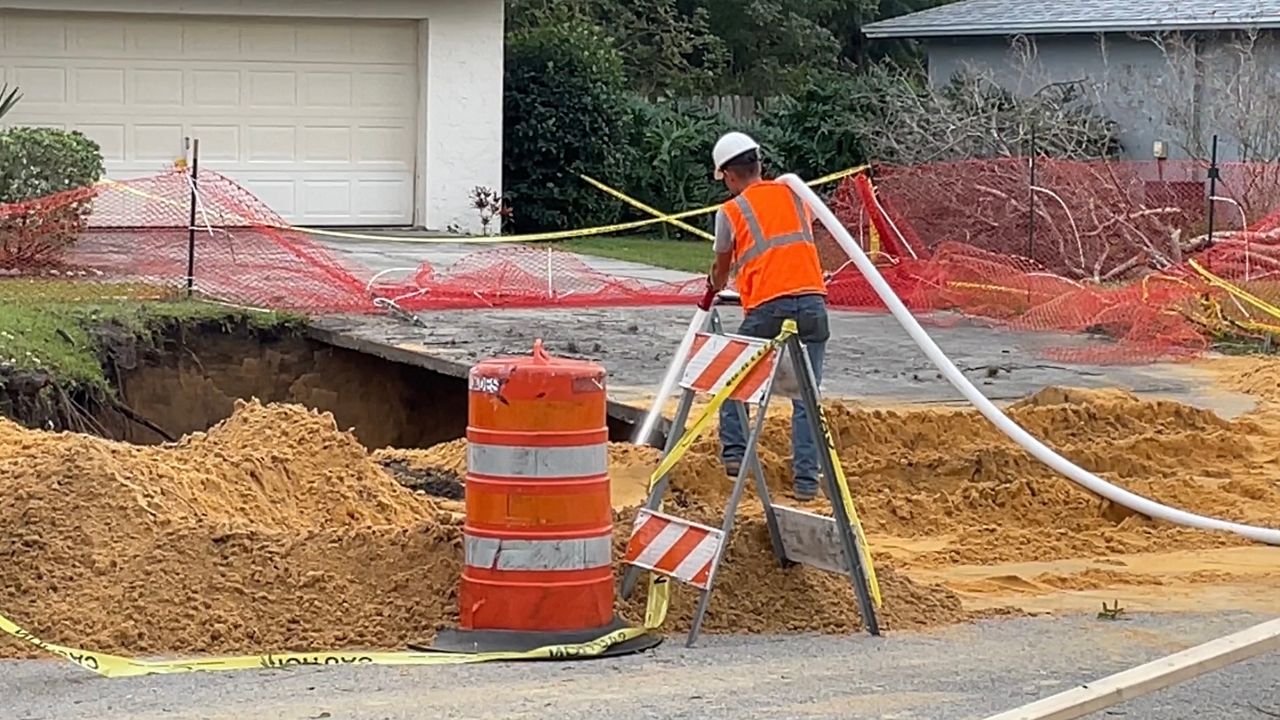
(1095, 254)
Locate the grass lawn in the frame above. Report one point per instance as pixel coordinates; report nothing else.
(693, 255)
(47, 325)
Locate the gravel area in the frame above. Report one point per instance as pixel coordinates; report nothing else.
(959, 673)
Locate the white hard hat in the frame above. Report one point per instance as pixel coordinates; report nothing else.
(730, 146)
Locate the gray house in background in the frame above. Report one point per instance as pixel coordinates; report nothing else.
(1169, 71)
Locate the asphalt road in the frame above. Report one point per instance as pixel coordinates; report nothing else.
(958, 673)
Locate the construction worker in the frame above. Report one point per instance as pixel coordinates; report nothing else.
(764, 237)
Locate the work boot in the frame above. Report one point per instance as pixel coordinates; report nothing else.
(804, 489)
(732, 468)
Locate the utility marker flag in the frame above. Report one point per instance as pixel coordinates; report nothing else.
(715, 359)
(674, 547)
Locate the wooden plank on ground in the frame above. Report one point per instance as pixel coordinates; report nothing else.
(1155, 675)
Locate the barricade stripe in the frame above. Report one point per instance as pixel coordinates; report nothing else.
(680, 550)
(642, 522)
(706, 348)
(756, 379)
(715, 359)
(722, 363)
(698, 561)
(655, 549)
(646, 529)
(703, 576)
(510, 554)
(537, 462)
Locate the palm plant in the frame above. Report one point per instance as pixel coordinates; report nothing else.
(8, 98)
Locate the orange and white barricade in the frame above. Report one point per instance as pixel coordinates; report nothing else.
(749, 371)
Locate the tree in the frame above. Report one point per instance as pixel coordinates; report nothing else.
(1225, 84)
(564, 113)
(665, 50)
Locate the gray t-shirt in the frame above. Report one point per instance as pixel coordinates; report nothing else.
(724, 233)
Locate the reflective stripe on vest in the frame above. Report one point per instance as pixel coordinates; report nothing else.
(533, 555)
(761, 244)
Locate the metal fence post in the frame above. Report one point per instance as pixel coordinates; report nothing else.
(1031, 198)
(191, 224)
(1213, 185)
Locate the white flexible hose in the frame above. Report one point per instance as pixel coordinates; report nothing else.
(1039, 450)
(668, 387)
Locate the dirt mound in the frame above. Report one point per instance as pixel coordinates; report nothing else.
(753, 595)
(629, 467)
(1258, 376)
(272, 529)
(276, 531)
(448, 457)
(949, 479)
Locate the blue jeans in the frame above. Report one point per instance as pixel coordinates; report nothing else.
(765, 321)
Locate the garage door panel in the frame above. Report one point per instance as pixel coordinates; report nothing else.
(386, 46)
(155, 143)
(382, 145)
(280, 194)
(41, 85)
(382, 200)
(319, 117)
(324, 43)
(154, 39)
(218, 143)
(271, 144)
(99, 86)
(210, 40)
(328, 90)
(110, 139)
(157, 88)
(102, 39)
(31, 35)
(213, 89)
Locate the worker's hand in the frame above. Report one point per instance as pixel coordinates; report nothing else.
(711, 280)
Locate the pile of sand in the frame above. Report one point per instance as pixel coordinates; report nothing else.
(276, 531)
(948, 499)
(947, 473)
(273, 529)
(1253, 375)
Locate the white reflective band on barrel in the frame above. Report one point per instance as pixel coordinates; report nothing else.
(579, 554)
(538, 462)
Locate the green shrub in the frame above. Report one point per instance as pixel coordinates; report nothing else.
(565, 113)
(669, 167)
(36, 163)
(670, 164)
(818, 128)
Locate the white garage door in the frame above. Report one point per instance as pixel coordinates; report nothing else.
(318, 118)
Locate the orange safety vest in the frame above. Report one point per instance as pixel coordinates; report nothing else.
(774, 254)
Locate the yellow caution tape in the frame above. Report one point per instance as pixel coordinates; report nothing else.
(1236, 290)
(843, 484)
(641, 206)
(116, 666)
(672, 218)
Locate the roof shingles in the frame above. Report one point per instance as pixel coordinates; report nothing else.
(1011, 17)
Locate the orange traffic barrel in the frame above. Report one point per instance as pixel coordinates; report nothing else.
(538, 534)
